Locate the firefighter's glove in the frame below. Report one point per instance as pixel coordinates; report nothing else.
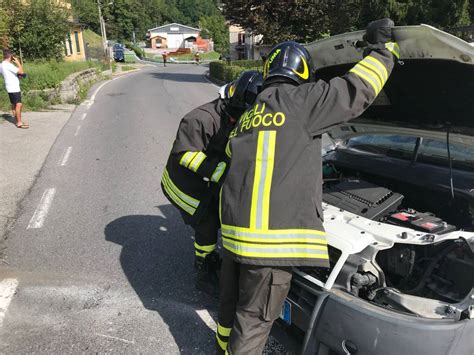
(379, 32)
(379, 36)
(218, 172)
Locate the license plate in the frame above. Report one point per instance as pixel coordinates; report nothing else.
(286, 312)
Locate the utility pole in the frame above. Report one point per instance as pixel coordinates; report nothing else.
(103, 33)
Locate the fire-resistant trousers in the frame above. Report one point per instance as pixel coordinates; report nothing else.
(251, 299)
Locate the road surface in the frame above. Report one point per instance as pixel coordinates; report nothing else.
(98, 260)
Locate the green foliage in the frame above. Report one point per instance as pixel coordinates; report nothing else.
(37, 28)
(307, 20)
(248, 63)
(92, 38)
(124, 17)
(215, 27)
(224, 72)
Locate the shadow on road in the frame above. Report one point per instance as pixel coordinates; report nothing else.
(180, 77)
(157, 258)
(7, 117)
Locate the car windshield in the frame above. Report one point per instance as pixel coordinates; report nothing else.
(404, 147)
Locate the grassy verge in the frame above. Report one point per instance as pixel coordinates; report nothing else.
(127, 67)
(203, 56)
(40, 76)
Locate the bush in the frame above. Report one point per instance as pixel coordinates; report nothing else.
(248, 63)
(224, 72)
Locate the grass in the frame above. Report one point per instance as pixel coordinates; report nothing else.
(42, 75)
(92, 38)
(203, 56)
(127, 67)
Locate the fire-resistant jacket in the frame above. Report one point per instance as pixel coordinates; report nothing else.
(197, 160)
(271, 198)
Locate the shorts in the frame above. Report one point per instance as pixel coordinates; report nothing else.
(15, 97)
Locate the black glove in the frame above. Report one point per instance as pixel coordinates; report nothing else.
(379, 31)
(379, 36)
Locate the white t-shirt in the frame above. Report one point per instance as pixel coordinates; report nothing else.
(9, 71)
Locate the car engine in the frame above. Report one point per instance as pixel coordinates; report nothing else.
(435, 280)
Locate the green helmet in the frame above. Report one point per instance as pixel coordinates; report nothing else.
(289, 60)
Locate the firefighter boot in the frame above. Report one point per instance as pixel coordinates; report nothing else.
(208, 269)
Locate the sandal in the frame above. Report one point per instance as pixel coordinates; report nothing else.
(23, 125)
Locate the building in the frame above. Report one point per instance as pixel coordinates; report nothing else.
(173, 36)
(74, 48)
(245, 45)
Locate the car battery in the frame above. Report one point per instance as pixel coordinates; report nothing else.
(425, 222)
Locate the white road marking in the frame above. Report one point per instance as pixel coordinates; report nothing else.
(77, 131)
(7, 291)
(116, 338)
(42, 210)
(83, 117)
(66, 155)
(207, 319)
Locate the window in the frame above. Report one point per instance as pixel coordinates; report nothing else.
(390, 145)
(68, 44)
(78, 44)
(431, 151)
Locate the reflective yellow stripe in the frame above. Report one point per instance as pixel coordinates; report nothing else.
(222, 344)
(256, 180)
(227, 150)
(206, 248)
(197, 161)
(268, 180)
(217, 174)
(367, 78)
(272, 232)
(275, 253)
(274, 245)
(201, 255)
(393, 48)
(176, 199)
(186, 198)
(264, 162)
(225, 332)
(186, 158)
(373, 70)
(380, 66)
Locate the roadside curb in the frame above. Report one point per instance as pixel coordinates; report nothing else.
(214, 81)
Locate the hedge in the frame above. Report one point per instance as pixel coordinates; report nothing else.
(222, 71)
(248, 63)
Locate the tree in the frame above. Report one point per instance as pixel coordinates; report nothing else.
(307, 20)
(439, 13)
(216, 28)
(36, 28)
(44, 30)
(87, 12)
(301, 20)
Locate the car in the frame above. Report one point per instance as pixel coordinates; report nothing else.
(398, 205)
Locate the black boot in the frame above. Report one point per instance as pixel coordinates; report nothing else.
(208, 269)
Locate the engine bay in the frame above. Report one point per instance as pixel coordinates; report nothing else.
(433, 280)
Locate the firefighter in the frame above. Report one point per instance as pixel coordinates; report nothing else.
(196, 166)
(271, 213)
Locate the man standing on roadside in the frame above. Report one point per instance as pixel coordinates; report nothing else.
(11, 68)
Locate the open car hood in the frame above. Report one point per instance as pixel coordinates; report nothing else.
(431, 89)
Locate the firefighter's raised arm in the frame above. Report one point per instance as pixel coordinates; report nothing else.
(326, 104)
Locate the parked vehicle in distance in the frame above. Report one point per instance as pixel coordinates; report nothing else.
(398, 208)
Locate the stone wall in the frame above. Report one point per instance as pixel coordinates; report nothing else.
(69, 88)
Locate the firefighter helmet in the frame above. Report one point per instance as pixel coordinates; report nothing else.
(289, 60)
(241, 93)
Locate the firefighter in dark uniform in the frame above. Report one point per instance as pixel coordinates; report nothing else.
(271, 210)
(196, 166)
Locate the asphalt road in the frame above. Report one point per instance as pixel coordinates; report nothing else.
(98, 260)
